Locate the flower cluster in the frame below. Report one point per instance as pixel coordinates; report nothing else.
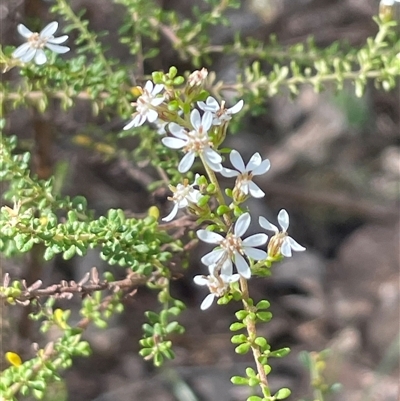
(233, 256)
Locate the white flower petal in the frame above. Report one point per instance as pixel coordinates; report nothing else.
(212, 155)
(21, 50)
(57, 48)
(24, 31)
(138, 120)
(255, 190)
(256, 240)
(286, 250)
(148, 87)
(244, 187)
(212, 257)
(157, 89)
(262, 168)
(200, 280)
(207, 120)
(202, 106)
(254, 162)
(209, 236)
(234, 278)
(237, 161)
(242, 224)
(295, 245)
(151, 115)
(227, 172)
(172, 214)
(157, 101)
(129, 125)
(264, 223)
(242, 266)
(186, 163)
(212, 104)
(28, 56)
(173, 143)
(49, 30)
(40, 57)
(227, 269)
(208, 300)
(59, 40)
(214, 166)
(254, 253)
(236, 108)
(195, 119)
(177, 131)
(283, 219)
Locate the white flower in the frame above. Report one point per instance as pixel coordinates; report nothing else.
(194, 143)
(220, 113)
(232, 248)
(197, 78)
(280, 243)
(218, 284)
(245, 174)
(183, 195)
(33, 48)
(146, 105)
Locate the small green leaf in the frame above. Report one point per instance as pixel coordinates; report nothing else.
(238, 339)
(282, 393)
(20, 240)
(69, 253)
(254, 381)
(239, 380)
(236, 326)
(203, 201)
(264, 316)
(172, 72)
(48, 254)
(223, 209)
(158, 359)
(241, 314)
(254, 398)
(261, 342)
(264, 304)
(280, 353)
(171, 327)
(242, 348)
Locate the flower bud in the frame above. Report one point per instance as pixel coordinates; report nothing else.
(275, 244)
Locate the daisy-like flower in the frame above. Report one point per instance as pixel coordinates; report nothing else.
(280, 243)
(244, 174)
(146, 105)
(232, 248)
(220, 113)
(194, 143)
(183, 196)
(218, 284)
(36, 42)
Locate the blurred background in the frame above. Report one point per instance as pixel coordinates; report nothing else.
(335, 167)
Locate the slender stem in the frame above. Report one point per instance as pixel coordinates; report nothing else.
(218, 193)
(318, 395)
(67, 10)
(252, 333)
